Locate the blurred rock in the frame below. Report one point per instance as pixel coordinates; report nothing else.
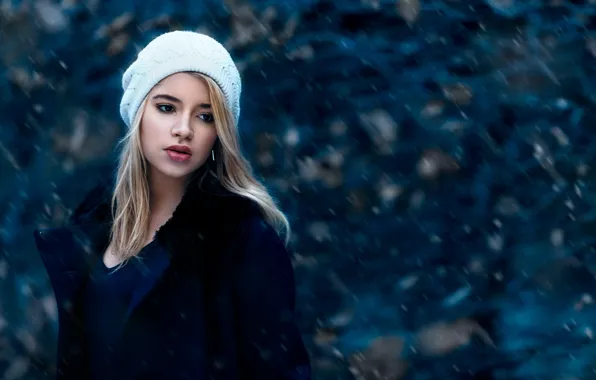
(381, 360)
(434, 163)
(409, 9)
(382, 129)
(458, 93)
(442, 338)
(51, 15)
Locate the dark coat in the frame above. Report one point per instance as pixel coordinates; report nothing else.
(218, 261)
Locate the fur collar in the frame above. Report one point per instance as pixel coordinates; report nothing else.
(207, 213)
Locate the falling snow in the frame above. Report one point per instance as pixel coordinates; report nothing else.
(434, 157)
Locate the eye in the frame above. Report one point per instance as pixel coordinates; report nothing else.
(165, 108)
(207, 117)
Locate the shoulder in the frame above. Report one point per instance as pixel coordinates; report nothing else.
(255, 239)
(262, 263)
(255, 230)
(254, 226)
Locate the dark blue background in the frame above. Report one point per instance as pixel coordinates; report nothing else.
(435, 159)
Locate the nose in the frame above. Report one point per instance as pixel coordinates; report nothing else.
(182, 128)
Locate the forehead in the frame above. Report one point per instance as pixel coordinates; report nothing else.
(184, 86)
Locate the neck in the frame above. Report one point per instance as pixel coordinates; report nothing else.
(165, 194)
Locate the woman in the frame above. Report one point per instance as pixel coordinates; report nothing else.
(176, 269)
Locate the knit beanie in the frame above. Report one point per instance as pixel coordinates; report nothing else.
(174, 52)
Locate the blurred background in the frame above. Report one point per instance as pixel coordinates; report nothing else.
(434, 157)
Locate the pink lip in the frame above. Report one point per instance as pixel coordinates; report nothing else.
(177, 156)
(180, 149)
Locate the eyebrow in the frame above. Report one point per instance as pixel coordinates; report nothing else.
(176, 100)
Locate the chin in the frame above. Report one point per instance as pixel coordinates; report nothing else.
(176, 174)
(173, 172)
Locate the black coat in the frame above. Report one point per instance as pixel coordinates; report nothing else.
(220, 270)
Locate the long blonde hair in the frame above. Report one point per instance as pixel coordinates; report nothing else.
(130, 199)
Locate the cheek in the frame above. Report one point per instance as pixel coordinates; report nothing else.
(149, 133)
(205, 139)
(145, 137)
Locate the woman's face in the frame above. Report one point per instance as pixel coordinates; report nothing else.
(177, 127)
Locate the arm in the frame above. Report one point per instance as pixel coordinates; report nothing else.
(270, 344)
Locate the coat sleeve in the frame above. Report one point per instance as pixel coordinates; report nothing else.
(270, 344)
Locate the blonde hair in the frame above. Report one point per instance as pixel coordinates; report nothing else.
(130, 199)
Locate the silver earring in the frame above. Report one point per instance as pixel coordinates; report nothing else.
(212, 155)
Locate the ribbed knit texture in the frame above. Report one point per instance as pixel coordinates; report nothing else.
(174, 52)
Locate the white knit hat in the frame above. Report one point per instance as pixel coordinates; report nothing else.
(174, 52)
